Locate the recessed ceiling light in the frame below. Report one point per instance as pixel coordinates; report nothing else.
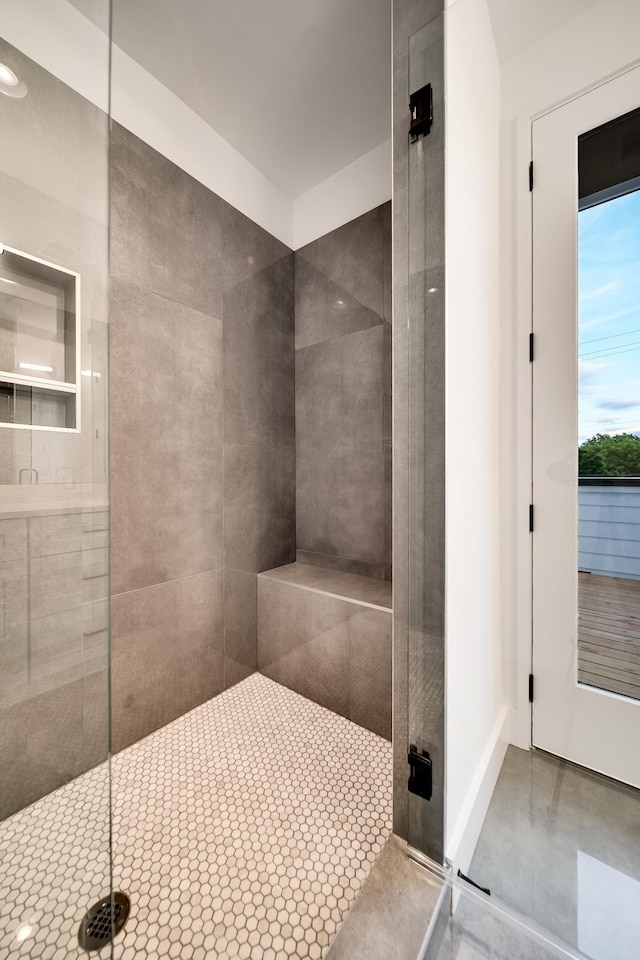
(11, 84)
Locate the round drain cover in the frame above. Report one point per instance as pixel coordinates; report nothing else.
(103, 921)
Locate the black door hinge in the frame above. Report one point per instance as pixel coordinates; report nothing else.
(531, 176)
(530, 688)
(530, 518)
(421, 107)
(473, 883)
(530, 348)
(420, 778)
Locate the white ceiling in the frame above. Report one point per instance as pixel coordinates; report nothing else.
(519, 23)
(300, 87)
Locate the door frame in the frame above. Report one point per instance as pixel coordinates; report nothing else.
(517, 273)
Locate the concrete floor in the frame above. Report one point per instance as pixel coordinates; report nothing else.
(560, 846)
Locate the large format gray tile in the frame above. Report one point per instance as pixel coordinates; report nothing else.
(259, 427)
(391, 915)
(334, 651)
(259, 402)
(167, 653)
(166, 228)
(247, 249)
(290, 618)
(343, 286)
(370, 670)
(303, 643)
(259, 505)
(240, 625)
(325, 310)
(352, 259)
(341, 495)
(317, 669)
(362, 568)
(166, 446)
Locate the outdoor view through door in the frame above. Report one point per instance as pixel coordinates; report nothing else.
(609, 415)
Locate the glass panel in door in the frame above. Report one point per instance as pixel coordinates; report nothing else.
(609, 407)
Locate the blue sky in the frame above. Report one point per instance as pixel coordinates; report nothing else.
(609, 317)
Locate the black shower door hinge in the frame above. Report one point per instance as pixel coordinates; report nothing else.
(421, 107)
(530, 518)
(530, 688)
(420, 778)
(531, 176)
(530, 348)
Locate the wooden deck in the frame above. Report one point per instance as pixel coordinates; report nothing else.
(609, 633)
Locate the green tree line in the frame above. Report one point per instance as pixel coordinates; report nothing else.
(607, 456)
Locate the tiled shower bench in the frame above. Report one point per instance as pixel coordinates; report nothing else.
(327, 635)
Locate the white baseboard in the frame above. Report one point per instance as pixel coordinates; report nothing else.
(460, 847)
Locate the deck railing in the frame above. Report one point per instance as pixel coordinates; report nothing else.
(609, 526)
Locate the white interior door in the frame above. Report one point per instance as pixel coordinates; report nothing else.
(586, 382)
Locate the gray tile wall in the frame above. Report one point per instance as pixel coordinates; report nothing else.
(343, 397)
(202, 425)
(203, 433)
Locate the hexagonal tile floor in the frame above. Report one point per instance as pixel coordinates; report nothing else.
(242, 830)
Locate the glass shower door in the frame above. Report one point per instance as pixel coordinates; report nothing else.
(426, 411)
(54, 524)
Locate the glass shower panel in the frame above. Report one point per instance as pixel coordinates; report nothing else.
(425, 642)
(54, 503)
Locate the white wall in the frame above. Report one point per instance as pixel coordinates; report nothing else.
(596, 45)
(357, 188)
(476, 702)
(66, 43)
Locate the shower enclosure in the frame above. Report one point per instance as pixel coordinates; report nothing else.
(206, 593)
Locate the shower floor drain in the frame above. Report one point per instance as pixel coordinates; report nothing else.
(103, 921)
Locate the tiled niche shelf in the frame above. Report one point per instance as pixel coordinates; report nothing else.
(39, 344)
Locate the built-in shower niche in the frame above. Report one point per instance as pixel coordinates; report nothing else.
(39, 361)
